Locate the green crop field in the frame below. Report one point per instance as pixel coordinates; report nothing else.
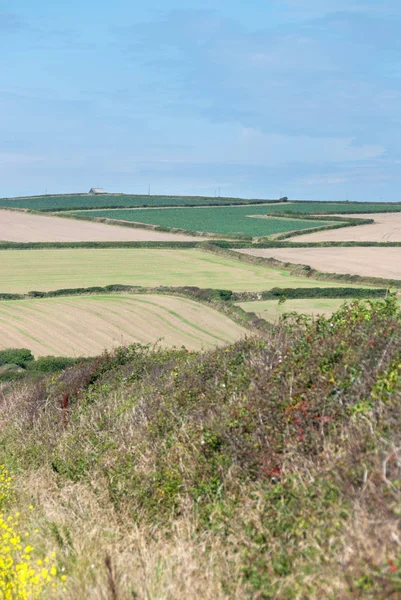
(44, 270)
(219, 220)
(104, 201)
(334, 207)
(83, 202)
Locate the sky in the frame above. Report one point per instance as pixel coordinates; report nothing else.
(262, 99)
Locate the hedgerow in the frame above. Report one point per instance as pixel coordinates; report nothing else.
(218, 243)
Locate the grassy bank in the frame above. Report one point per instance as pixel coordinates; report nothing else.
(267, 469)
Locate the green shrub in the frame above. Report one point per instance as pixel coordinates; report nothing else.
(16, 356)
(51, 364)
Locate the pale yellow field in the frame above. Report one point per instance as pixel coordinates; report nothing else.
(271, 310)
(25, 227)
(87, 325)
(373, 262)
(22, 271)
(386, 228)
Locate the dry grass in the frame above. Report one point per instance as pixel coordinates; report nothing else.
(269, 469)
(146, 563)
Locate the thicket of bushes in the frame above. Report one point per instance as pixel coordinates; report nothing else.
(20, 363)
(16, 356)
(267, 469)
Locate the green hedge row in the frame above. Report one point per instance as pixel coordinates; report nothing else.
(208, 294)
(187, 245)
(61, 245)
(279, 244)
(229, 244)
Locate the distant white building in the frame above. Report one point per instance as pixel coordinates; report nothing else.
(96, 191)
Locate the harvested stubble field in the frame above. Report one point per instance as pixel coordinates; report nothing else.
(86, 325)
(368, 262)
(25, 227)
(44, 270)
(271, 310)
(227, 220)
(386, 228)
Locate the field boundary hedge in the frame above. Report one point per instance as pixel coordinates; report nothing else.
(229, 244)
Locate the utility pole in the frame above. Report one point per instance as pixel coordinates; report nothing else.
(149, 189)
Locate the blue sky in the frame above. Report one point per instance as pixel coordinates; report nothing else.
(260, 99)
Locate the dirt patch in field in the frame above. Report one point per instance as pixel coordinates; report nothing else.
(373, 262)
(386, 228)
(86, 325)
(25, 227)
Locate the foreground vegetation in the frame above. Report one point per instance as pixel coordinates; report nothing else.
(267, 469)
